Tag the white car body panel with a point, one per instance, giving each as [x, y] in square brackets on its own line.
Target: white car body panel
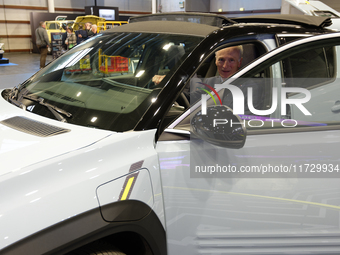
[35, 205]
[143, 189]
[200, 215]
[309, 7]
[16, 143]
[230, 215]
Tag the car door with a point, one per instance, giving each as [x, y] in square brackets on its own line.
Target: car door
[279, 193]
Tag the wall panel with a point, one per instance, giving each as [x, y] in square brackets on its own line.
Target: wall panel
[231, 8]
[18, 29]
[19, 44]
[15, 27]
[17, 14]
[197, 5]
[171, 6]
[77, 4]
[128, 5]
[2, 13]
[232, 5]
[24, 2]
[2, 30]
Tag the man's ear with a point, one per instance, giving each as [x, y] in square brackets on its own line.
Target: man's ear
[239, 64]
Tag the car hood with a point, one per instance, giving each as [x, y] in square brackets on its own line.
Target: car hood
[27, 138]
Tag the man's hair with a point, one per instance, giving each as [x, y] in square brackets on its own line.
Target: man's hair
[239, 48]
[41, 23]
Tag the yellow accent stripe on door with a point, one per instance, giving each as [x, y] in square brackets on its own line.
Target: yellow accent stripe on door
[127, 188]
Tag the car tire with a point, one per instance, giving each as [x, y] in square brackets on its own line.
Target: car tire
[97, 248]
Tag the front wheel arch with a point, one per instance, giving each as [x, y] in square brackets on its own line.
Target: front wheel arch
[89, 227]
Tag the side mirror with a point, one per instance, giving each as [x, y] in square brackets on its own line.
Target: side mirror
[219, 127]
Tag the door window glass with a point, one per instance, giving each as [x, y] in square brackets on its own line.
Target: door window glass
[220, 66]
[305, 93]
[52, 26]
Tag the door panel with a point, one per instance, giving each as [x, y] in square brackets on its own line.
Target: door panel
[279, 194]
[232, 214]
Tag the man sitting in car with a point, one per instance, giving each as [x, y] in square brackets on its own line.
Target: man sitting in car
[228, 61]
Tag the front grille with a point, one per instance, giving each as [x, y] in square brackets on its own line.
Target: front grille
[33, 127]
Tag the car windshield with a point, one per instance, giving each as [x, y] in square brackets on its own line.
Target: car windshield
[106, 82]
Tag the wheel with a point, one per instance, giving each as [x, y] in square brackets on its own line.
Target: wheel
[97, 248]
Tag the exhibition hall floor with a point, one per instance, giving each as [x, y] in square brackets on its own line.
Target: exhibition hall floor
[21, 66]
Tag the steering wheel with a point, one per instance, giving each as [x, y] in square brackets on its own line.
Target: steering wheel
[183, 101]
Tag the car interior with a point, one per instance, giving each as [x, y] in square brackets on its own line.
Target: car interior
[251, 51]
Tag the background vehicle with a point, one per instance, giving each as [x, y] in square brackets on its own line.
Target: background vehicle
[106, 154]
[110, 24]
[87, 18]
[58, 25]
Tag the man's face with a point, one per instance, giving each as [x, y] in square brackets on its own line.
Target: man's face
[228, 61]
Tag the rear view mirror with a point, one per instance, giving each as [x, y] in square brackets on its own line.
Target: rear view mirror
[219, 127]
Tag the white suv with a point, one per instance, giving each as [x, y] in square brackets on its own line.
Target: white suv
[95, 158]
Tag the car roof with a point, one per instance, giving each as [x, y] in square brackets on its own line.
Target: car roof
[202, 24]
[219, 20]
[195, 17]
[202, 30]
[167, 27]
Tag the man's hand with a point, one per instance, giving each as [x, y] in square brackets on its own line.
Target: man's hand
[157, 79]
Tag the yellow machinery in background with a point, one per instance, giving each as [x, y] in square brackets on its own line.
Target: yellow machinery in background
[109, 24]
[58, 25]
[113, 64]
[81, 20]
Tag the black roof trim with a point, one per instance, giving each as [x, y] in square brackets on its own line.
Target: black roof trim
[289, 19]
[194, 17]
[219, 20]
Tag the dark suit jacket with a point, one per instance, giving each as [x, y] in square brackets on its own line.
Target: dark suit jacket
[83, 33]
[195, 93]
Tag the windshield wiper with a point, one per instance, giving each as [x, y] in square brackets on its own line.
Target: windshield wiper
[17, 103]
[13, 94]
[54, 109]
